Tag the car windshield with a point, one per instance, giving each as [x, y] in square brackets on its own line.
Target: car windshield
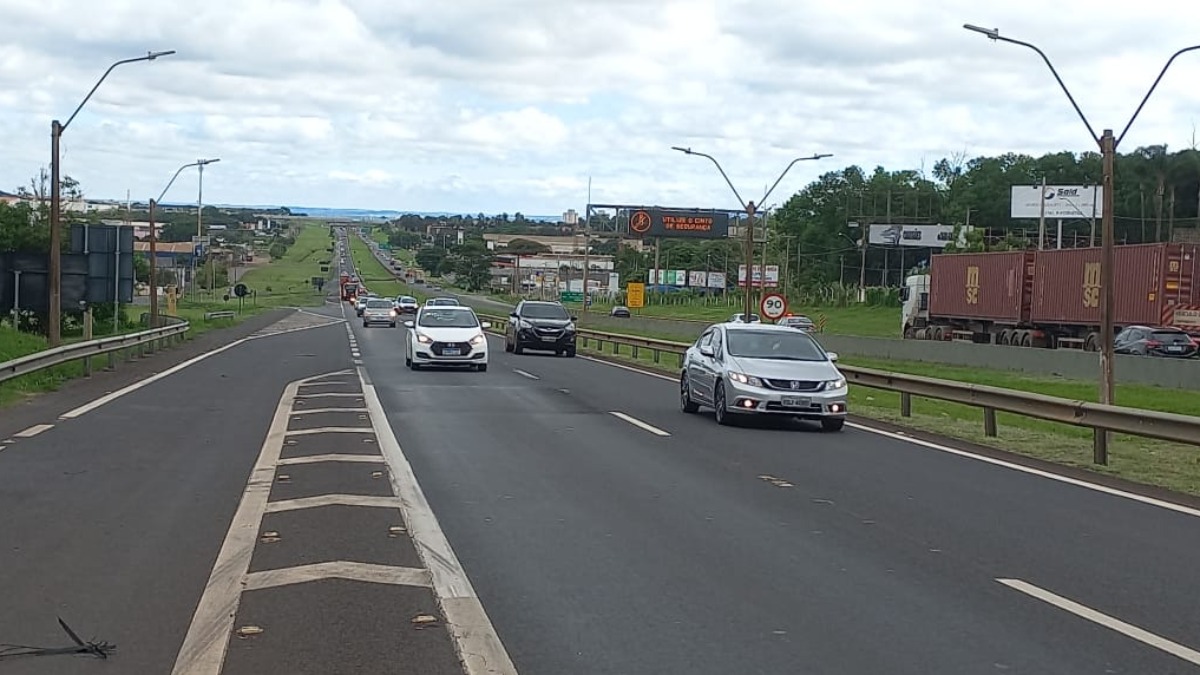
[448, 318]
[545, 311]
[787, 346]
[443, 301]
[379, 304]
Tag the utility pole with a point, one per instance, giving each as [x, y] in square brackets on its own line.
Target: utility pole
[587, 245]
[1042, 217]
[1108, 150]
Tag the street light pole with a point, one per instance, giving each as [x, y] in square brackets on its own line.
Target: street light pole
[200, 164]
[54, 319]
[750, 208]
[1108, 152]
[154, 243]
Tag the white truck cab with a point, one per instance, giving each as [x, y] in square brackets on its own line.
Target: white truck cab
[914, 298]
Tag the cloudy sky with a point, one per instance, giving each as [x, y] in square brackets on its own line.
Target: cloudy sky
[510, 105]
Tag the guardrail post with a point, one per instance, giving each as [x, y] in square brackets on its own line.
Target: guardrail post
[87, 335]
[1100, 447]
[989, 422]
[616, 347]
[635, 351]
[112, 361]
[657, 355]
[905, 404]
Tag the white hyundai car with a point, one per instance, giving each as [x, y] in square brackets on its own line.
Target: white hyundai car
[446, 335]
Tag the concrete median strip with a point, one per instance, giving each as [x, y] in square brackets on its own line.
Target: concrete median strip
[209, 641]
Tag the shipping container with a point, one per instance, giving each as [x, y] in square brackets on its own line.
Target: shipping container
[1150, 282]
[993, 287]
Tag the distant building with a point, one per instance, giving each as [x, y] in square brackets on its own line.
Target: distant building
[570, 217]
[10, 199]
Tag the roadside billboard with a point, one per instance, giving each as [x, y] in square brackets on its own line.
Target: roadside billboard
[772, 276]
[915, 236]
[1061, 201]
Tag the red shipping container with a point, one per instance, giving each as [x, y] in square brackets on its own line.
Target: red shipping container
[983, 286]
[1150, 280]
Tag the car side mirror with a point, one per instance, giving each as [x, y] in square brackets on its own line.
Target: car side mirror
[513, 315]
[409, 324]
[485, 325]
[707, 350]
[574, 318]
[832, 356]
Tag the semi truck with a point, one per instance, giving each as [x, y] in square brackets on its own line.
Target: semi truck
[1051, 298]
[349, 288]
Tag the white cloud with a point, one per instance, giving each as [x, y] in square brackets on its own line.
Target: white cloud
[479, 105]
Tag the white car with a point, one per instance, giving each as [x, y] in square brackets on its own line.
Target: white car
[446, 335]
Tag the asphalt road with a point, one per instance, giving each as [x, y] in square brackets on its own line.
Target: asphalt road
[140, 522]
[599, 545]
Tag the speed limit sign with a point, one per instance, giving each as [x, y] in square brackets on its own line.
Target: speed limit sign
[773, 306]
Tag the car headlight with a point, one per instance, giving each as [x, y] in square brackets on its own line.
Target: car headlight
[835, 384]
[570, 328]
[424, 339]
[478, 340]
[523, 324]
[745, 379]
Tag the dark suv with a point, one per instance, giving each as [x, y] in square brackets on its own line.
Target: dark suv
[546, 326]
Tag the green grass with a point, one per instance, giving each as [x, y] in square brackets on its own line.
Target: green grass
[286, 282]
[1151, 462]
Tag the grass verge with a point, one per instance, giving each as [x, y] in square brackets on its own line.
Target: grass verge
[1169, 465]
[286, 282]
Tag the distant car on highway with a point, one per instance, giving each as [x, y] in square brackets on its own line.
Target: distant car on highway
[761, 369]
[406, 304]
[798, 321]
[361, 303]
[446, 335]
[620, 311]
[379, 310]
[442, 302]
[1155, 341]
[540, 325]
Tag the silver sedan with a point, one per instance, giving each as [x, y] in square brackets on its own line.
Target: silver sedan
[761, 369]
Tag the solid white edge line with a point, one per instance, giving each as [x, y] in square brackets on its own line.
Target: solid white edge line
[1112, 623]
[475, 638]
[966, 454]
[522, 373]
[204, 646]
[638, 423]
[110, 397]
[33, 431]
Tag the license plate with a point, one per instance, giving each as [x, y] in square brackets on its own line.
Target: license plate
[796, 402]
[451, 352]
[548, 338]
[1175, 348]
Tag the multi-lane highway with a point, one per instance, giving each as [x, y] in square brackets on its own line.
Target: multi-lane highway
[303, 503]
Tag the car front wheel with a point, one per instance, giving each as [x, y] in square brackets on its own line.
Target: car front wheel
[719, 406]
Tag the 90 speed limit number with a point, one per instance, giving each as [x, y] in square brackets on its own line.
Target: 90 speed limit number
[773, 306]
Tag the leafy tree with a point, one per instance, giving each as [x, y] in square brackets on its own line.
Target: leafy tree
[430, 259]
[471, 263]
[525, 247]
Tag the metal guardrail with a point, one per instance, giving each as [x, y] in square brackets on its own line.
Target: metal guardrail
[224, 314]
[1099, 417]
[146, 341]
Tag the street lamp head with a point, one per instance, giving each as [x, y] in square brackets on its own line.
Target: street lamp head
[993, 33]
[150, 56]
[822, 155]
[202, 162]
[686, 151]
